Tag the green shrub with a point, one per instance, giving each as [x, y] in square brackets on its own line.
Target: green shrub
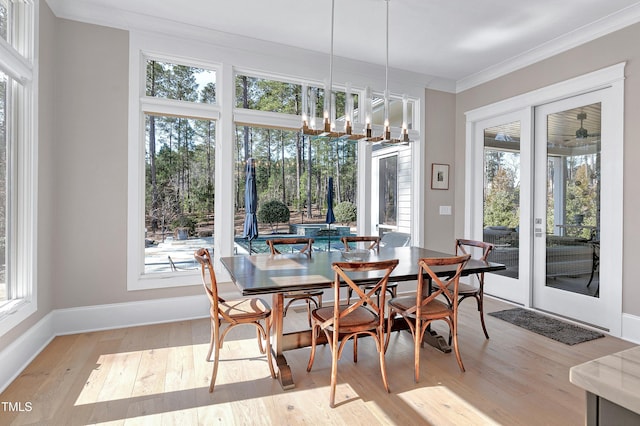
[345, 212]
[185, 221]
[273, 212]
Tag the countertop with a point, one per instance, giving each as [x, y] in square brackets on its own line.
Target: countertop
[613, 377]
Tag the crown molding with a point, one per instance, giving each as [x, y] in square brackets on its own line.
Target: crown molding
[147, 24]
[587, 33]
[117, 18]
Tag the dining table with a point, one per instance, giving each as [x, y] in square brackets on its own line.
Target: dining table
[281, 273]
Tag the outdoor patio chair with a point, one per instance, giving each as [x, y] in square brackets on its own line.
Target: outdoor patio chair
[395, 239]
[233, 313]
[303, 246]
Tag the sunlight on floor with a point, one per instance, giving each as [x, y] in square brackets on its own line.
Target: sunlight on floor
[437, 403]
[151, 373]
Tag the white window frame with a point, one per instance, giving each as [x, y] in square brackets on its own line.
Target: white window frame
[231, 61]
[140, 105]
[18, 61]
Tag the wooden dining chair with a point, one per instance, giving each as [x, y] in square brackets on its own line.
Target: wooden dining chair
[368, 242]
[303, 246]
[362, 317]
[469, 289]
[420, 311]
[232, 313]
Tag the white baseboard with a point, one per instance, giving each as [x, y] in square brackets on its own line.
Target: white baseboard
[631, 328]
[17, 356]
[131, 314]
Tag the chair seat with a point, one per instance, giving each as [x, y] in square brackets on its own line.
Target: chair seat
[360, 317]
[435, 308]
[245, 309]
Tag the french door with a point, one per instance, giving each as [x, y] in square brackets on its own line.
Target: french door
[544, 178]
[573, 140]
[502, 200]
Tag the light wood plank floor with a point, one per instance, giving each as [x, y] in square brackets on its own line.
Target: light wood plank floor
[158, 375]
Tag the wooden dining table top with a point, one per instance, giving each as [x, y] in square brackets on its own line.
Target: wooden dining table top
[266, 273]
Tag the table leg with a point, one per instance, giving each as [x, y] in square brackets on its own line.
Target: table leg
[437, 341]
[283, 370]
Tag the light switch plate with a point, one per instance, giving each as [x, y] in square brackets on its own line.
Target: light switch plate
[445, 210]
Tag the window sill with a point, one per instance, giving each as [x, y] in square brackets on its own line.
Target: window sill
[174, 279]
[13, 313]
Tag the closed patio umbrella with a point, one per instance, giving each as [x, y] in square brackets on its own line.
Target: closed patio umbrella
[330, 217]
[250, 203]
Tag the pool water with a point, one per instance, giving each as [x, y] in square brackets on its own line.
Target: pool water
[174, 254]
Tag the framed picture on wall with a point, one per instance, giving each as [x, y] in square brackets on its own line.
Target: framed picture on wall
[439, 176]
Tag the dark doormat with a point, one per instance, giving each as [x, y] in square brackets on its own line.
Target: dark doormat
[552, 328]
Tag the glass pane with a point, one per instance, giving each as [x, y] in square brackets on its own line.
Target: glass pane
[271, 95]
[179, 191]
[294, 170]
[573, 199]
[180, 82]
[4, 184]
[388, 181]
[277, 96]
[395, 112]
[4, 19]
[501, 219]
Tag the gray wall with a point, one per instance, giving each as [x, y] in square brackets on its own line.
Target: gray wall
[90, 160]
[440, 137]
[608, 50]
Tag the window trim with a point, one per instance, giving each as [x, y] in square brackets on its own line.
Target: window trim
[140, 105]
[170, 107]
[22, 154]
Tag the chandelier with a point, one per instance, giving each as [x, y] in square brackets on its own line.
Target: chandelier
[328, 127]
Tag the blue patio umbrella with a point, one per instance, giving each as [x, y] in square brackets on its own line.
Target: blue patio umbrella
[250, 203]
[330, 217]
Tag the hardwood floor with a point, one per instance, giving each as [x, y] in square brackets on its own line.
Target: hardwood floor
[158, 375]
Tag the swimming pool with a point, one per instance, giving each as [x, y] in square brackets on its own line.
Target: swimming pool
[172, 255]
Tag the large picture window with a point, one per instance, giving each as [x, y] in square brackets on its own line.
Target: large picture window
[18, 189]
[175, 197]
[181, 195]
[295, 171]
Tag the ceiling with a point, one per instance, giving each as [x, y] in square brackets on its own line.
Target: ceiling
[562, 134]
[465, 41]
